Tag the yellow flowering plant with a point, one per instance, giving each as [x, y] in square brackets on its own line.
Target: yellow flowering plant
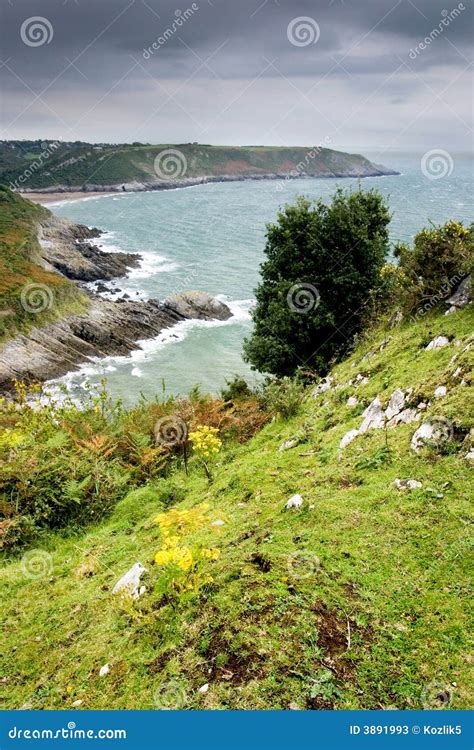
[174, 553]
[206, 444]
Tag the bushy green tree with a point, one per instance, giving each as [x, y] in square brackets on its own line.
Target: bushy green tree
[322, 262]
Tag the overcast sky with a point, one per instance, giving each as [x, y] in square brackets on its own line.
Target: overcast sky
[350, 74]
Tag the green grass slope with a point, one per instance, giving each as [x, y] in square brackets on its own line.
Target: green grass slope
[30, 295]
[361, 599]
[32, 165]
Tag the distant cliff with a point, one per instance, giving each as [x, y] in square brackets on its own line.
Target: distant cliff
[62, 167]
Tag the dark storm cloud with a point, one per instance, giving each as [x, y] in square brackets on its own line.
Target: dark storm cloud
[108, 57]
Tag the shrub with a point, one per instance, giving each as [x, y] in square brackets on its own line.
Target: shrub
[430, 271]
[322, 262]
[237, 389]
[284, 396]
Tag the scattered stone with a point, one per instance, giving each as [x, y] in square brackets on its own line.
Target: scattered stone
[348, 438]
[396, 318]
[384, 343]
[438, 343]
[361, 380]
[462, 295]
[437, 433]
[396, 403]
[104, 670]
[352, 401]
[470, 456]
[323, 386]
[405, 417]
[77, 703]
[218, 522]
[204, 688]
[295, 501]
[130, 582]
[290, 443]
[440, 391]
[421, 406]
[407, 484]
[294, 707]
[374, 417]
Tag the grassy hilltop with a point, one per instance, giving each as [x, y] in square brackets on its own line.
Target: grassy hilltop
[38, 165]
[360, 599]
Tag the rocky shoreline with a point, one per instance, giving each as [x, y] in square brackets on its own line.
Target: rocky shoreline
[107, 327]
[172, 184]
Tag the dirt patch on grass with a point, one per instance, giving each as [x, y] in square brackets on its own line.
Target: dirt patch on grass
[237, 668]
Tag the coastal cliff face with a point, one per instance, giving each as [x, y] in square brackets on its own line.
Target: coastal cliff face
[51, 346]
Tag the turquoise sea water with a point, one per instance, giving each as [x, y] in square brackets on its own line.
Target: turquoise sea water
[212, 237]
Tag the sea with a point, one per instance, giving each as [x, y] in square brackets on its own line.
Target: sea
[211, 237]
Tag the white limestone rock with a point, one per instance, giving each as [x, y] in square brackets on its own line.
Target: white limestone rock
[348, 438]
[438, 343]
[436, 432]
[290, 443]
[407, 484]
[470, 456]
[295, 501]
[462, 295]
[204, 688]
[405, 417]
[352, 401]
[440, 391]
[396, 403]
[323, 386]
[374, 417]
[104, 670]
[130, 582]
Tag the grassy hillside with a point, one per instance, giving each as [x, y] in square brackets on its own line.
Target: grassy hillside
[360, 599]
[37, 165]
[29, 294]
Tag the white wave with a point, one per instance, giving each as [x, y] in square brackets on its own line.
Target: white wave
[97, 366]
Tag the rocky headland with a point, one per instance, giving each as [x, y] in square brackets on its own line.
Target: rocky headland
[105, 327]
